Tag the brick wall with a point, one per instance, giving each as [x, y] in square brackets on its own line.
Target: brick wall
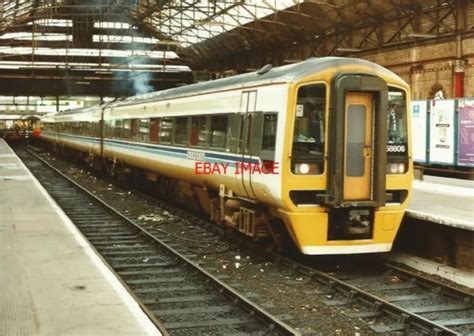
[424, 66]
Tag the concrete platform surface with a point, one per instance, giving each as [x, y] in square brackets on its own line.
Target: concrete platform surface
[459, 276]
[51, 281]
[444, 201]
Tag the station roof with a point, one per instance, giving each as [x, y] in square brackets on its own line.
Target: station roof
[130, 46]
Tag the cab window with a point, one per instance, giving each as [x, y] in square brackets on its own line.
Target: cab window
[397, 117]
[308, 133]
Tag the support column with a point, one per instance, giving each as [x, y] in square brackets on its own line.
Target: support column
[459, 78]
[459, 70]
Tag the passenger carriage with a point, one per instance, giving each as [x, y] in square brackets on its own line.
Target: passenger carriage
[337, 129]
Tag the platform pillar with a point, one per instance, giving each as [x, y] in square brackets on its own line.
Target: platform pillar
[458, 78]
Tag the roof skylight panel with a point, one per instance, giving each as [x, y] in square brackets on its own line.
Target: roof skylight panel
[52, 22]
[87, 52]
[124, 39]
[37, 36]
[113, 25]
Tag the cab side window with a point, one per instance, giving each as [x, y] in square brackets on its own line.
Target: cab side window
[308, 132]
[269, 131]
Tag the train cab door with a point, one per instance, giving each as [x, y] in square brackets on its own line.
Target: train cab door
[358, 146]
[248, 103]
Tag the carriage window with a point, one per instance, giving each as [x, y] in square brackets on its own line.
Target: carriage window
[77, 128]
[166, 127]
[96, 128]
[154, 129]
[199, 131]
[134, 124]
[126, 129]
[218, 131]
[397, 117]
[117, 128]
[143, 129]
[308, 134]
[109, 128]
[81, 129]
[181, 131]
[269, 131]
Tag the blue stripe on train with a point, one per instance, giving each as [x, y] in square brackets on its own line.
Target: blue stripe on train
[157, 149]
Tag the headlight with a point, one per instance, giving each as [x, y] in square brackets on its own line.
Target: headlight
[306, 168]
[401, 168]
[396, 168]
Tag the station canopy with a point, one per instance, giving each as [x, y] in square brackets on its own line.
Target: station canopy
[156, 44]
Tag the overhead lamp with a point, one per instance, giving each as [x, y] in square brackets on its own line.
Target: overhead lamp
[418, 35]
[169, 42]
[348, 49]
[12, 67]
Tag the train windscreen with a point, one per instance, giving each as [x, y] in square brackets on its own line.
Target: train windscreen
[308, 134]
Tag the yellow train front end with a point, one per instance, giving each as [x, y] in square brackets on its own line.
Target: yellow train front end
[346, 165]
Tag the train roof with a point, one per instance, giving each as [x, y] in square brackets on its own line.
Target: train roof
[286, 73]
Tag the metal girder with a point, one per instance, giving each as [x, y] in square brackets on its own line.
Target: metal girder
[87, 59]
[399, 23]
[75, 26]
[92, 76]
[93, 45]
[230, 34]
[76, 87]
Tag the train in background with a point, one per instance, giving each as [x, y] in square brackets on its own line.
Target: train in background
[18, 128]
[336, 129]
[444, 133]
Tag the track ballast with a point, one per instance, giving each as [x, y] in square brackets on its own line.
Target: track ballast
[179, 296]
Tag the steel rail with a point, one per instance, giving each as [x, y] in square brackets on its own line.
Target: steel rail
[380, 305]
[275, 324]
[449, 290]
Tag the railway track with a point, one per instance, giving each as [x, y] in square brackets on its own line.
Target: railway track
[390, 299]
[178, 295]
[396, 300]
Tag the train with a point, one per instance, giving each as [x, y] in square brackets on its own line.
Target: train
[314, 155]
[17, 128]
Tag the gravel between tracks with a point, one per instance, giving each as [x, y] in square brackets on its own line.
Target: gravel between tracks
[273, 286]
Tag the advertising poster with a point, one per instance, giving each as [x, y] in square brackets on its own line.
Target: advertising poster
[442, 131]
[466, 132]
[418, 109]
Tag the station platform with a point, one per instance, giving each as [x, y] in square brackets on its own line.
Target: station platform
[443, 201]
[52, 282]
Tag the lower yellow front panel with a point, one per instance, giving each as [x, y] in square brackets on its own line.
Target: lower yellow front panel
[310, 233]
